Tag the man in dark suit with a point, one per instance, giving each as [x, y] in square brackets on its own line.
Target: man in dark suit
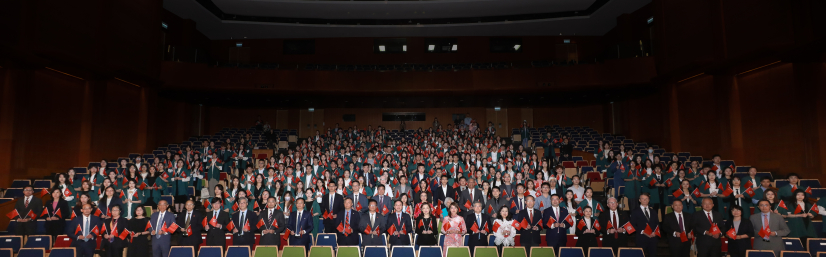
[443, 190]
[376, 222]
[245, 220]
[708, 243]
[160, 238]
[301, 225]
[359, 200]
[495, 202]
[84, 240]
[331, 203]
[348, 220]
[470, 194]
[641, 218]
[482, 222]
[529, 236]
[383, 203]
[28, 204]
[216, 221]
[518, 201]
[401, 222]
[557, 234]
[190, 219]
[615, 237]
[677, 226]
[271, 230]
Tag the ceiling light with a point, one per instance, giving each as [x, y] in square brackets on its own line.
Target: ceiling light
[310, 109]
[431, 47]
[455, 47]
[404, 48]
[497, 108]
[516, 47]
[239, 44]
[381, 48]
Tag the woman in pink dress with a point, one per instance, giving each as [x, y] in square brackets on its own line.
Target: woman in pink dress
[455, 232]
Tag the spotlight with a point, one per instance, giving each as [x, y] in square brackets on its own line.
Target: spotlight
[381, 48]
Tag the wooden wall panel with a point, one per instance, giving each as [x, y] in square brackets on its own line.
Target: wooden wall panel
[309, 122]
[591, 116]
[699, 121]
[281, 119]
[219, 118]
[500, 121]
[640, 119]
[773, 135]
[115, 131]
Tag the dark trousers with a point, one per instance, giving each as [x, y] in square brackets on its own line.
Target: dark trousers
[85, 249]
[475, 240]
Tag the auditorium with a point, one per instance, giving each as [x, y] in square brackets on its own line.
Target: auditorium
[412, 128]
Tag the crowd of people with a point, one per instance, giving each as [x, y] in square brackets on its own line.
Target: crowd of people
[457, 182]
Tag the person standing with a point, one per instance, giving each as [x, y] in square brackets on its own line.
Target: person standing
[58, 211]
[586, 230]
[529, 236]
[401, 221]
[641, 218]
[243, 220]
[25, 206]
[556, 235]
[371, 226]
[190, 220]
[331, 203]
[300, 225]
[479, 220]
[703, 222]
[743, 232]
[773, 226]
[676, 230]
[139, 241]
[160, 219]
[612, 220]
[426, 226]
[112, 244]
[274, 224]
[456, 229]
[216, 221]
[80, 230]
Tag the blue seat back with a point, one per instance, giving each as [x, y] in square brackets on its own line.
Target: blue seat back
[430, 251]
[238, 251]
[13, 193]
[795, 254]
[816, 245]
[793, 244]
[6, 252]
[326, 239]
[182, 251]
[600, 252]
[211, 251]
[373, 251]
[13, 242]
[31, 252]
[756, 253]
[630, 252]
[44, 242]
[63, 252]
[20, 183]
[571, 252]
[403, 251]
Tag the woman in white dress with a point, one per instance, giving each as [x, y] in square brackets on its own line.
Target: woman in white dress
[504, 232]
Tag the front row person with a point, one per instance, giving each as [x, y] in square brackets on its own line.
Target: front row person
[453, 226]
[426, 226]
[743, 231]
[504, 233]
[477, 226]
[677, 228]
[529, 236]
[400, 221]
[217, 221]
[300, 226]
[160, 237]
[773, 226]
[587, 230]
[707, 227]
[612, 220]
[190, 225]
[274, 224]
[346, 224]
[244, 221]
[642, 218]
[80, 230]
[112, 244]
[556, 234]
[372, 225]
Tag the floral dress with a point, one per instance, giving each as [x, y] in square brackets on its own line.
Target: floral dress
[456, 224]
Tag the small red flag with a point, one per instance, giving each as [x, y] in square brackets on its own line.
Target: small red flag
[696, 192]
[748, 183]
[569, 219]
[598, 227]
[750, 192]
[467, 204]
[446, 226]
[204, 222]
[647, 229]
[657, 231]
[580, 224]
[515, 224]
[45, 212]
[525, 224]
[148, 226]
[73, 215]
[808, 190]
[31, 214]
[13, 214]
[677, 193]
[368, 230]
[358, 206]
[474, 228]
[340, 227]
[172, 228]
[260, 223]
[782, 205]
[247, 225]
[707, 186]
[629, 228]
[496, 227]
[231, 226]
[286, 234]
[731, 233]
[78, 229]
[393, 228]
[125, 233]
[550, 223]
[43, 192]
[513, 204]
[384, 210]
[798, 209]
[727, 192]
[653, 181]
[714, 229]
[490, 208]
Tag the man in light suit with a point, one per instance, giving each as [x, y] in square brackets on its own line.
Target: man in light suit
[557, 233]
[776, 225]
[84, 240]
[376, 222]
[160, 240]
[708, 243]
[300, 225]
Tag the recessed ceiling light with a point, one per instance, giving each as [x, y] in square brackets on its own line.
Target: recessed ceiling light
[516, 47]
[455, 47]
[381, 48]
[431, 47]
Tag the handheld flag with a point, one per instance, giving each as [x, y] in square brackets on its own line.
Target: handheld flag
[750, 192]
[172, 228]
[731, 233]
[496, 227]
[13, 214]
[677, 193]
[628, 228]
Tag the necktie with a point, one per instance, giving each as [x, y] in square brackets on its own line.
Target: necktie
[298, 223]
[215, 215]
[399, 218]
[680, 218]
[616, 222]
[86, 228]
[158, 226]
[647, 216]
[373, 219]
[270, 219]
[357, 198]
[347, 219]
[188, 216]
[27, 202]
[737, 192]
[241, 222]
[709, 218]
[520, 203]
[331, 201]
[765, 221]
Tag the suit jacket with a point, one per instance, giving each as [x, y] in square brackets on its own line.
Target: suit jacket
[62, 208]
[104, 208]
[362, 200]
[557, 234]
[35, 206]
[352, 239]
[639, 221]
[120, 227]
[740, 245]
[492, 206]
[671, 225]
[215, 235]
[515, 202]
[195, 223]
[608, 239]
[700, 224]
[587, 239]
[465, 196]
[386, 202]
[248, 236]
[529, 236]
[776, 224]
[338, 203]
[168, 219]
[304, 224]
[94, 221]
[470, 219]
[392, 220]
[439, 195]
[272, 238]
[379, 221]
